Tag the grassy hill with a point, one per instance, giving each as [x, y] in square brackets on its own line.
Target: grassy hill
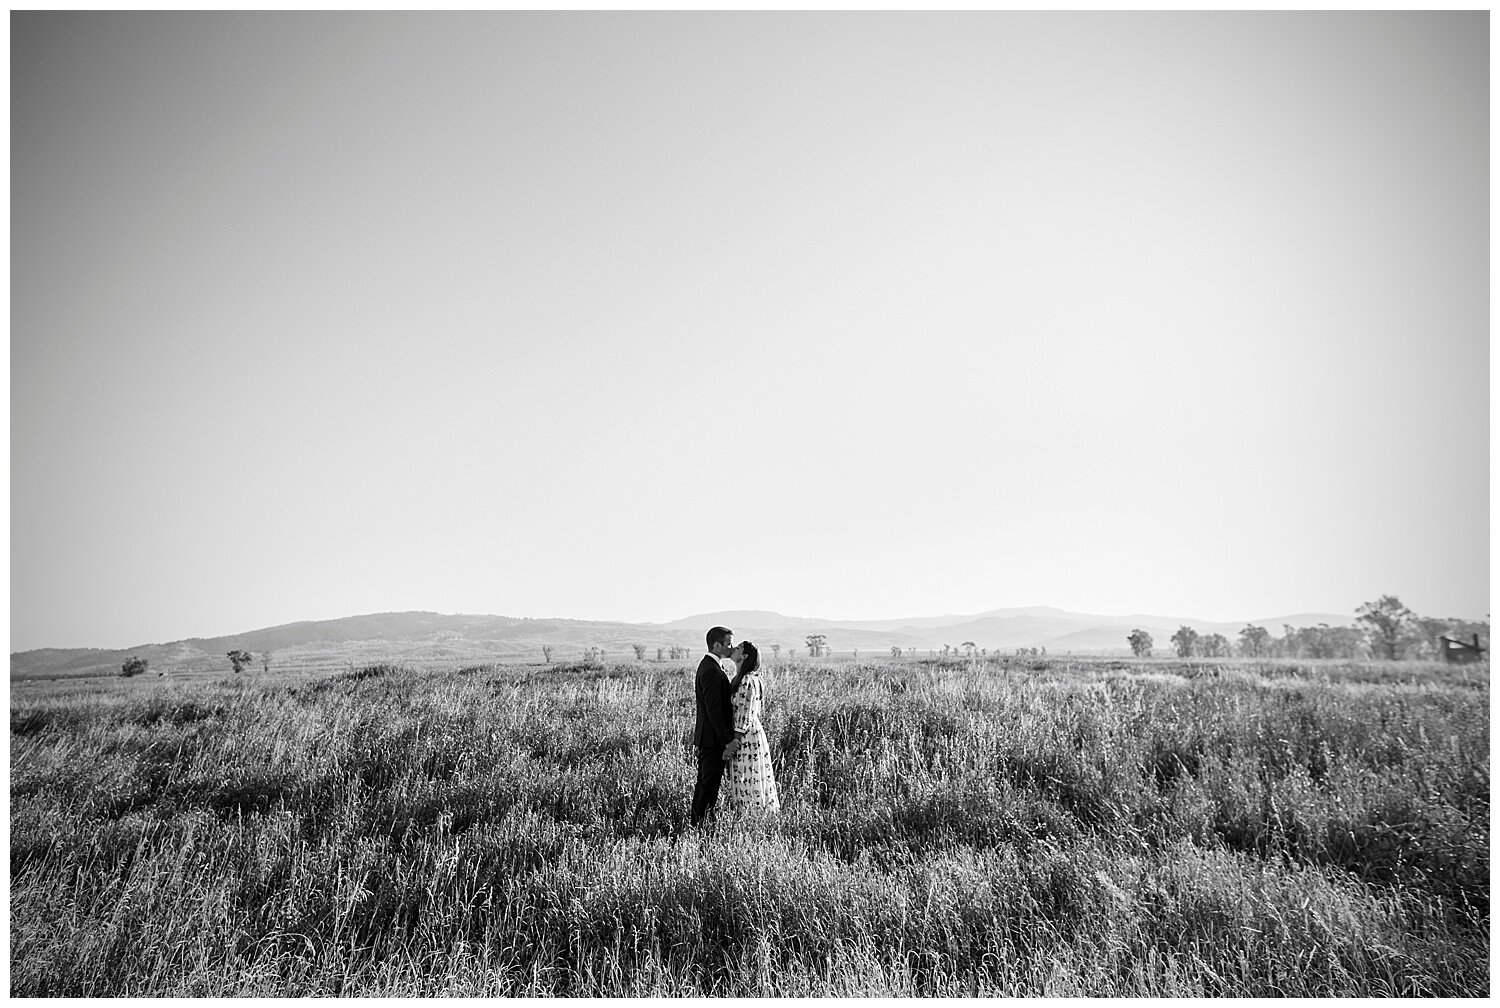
[436, 638]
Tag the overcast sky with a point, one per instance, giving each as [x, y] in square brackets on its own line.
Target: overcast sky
[634, 316]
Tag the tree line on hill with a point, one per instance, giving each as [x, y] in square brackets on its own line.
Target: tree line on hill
[1383, 629]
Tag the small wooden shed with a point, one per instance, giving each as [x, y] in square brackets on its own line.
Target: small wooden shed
[1462, 652]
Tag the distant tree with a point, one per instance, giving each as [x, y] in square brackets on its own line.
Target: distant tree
[945, 650]
[239, 659]
[659, 653]
[856, 652]
[640, 651]
[1321, 641]
[1140, 643]
[265, 662]
[1255, 641]
[969, 647]
[547, 653]
[817, 645]
[1387, 622]
[1044, 651]
[1215, 646]
[1347, 642]
[1185, 640]
[133, 666]
[776, 650]
[1427, 634]
[895, 651]
[1286, 646]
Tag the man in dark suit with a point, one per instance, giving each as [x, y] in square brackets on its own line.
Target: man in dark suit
[713, 729]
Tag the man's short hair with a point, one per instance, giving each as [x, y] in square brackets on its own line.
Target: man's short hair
[717, 636]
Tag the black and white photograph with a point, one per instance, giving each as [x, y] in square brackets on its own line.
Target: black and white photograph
[751, 504]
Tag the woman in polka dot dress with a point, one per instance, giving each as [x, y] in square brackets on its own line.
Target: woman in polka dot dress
[749, 782]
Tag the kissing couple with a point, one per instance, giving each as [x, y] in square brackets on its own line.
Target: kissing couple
[727, 732]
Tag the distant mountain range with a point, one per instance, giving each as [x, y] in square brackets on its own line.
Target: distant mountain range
[424, 637]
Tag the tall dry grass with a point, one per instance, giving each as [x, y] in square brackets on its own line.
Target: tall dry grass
[1011, 828]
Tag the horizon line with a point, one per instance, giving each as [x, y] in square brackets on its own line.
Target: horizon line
[772, 612]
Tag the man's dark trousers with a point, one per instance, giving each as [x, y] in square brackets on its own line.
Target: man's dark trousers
[710, 775]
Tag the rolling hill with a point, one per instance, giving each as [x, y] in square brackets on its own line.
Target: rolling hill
[426, 637]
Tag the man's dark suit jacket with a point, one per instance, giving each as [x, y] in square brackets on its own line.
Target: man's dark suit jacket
[714, 726]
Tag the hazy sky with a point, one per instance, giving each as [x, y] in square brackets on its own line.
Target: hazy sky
[633, 316]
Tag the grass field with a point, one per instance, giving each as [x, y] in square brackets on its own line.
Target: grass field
[1018, 827]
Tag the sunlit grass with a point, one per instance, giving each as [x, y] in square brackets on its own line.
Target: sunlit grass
[1011, 828]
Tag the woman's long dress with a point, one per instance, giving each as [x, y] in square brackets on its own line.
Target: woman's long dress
[749, 782]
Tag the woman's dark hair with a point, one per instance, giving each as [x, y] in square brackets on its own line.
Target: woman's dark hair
[752, 658]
